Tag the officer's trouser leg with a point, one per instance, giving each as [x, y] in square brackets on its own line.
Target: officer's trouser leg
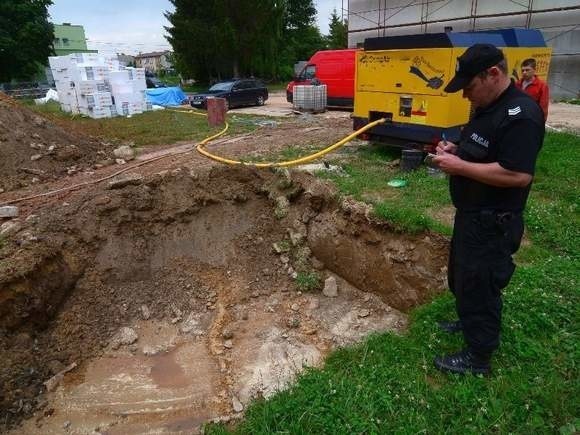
[480, 267]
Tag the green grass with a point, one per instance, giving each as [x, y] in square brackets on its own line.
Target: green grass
[552, 215]
[387, 384]
[149, 128]
[308, 281]
[291, 152]
[367, 174]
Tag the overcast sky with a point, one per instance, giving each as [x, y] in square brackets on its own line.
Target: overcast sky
[131, 26]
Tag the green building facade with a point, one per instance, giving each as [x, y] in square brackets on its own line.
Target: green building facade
[70, 38]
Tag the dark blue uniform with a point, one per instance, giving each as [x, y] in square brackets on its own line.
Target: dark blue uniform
[488, 222]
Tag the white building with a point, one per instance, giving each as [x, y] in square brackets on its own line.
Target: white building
[154, 62]
[559, 21]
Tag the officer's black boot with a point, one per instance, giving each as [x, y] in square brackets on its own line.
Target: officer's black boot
[465, 362]
[451, 327]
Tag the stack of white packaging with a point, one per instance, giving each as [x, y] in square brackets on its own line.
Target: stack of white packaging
[128, 87]
[65, 75]
[98, 86]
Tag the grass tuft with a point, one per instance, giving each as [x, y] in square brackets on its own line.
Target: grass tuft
[308, 281]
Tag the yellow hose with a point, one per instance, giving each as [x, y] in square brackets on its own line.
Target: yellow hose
[300, 161]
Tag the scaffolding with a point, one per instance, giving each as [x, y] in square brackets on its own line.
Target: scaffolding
[432, 13]
[559, 21]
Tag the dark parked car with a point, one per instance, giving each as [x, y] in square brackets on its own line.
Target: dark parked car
[240, 92]
[154, 82]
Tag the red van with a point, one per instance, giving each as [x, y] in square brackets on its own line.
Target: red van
[333, 68]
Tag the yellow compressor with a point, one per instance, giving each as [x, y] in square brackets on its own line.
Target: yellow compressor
[401, 78]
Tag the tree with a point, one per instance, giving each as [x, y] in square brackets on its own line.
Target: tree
[298, 14]
[253, 26]
[216, 38]
[224, 38]
[26, 38]
[338, 34]
[192, 34]
[300, 36]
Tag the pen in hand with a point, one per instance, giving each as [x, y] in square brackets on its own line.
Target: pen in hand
[444, 142]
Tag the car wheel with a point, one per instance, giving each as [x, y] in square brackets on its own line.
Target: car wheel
[260, 100]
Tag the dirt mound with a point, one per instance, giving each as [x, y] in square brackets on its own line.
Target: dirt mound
[211, 261]
[34, 149]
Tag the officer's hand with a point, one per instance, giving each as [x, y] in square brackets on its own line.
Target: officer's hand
[448, 162]
[446, 147]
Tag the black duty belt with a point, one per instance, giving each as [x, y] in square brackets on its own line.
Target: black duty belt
[500, 216]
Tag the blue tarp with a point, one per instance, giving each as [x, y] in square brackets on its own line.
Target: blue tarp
[173, 96]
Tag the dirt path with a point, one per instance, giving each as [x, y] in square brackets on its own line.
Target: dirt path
[564, 116]
[277, 106]
[298, 132]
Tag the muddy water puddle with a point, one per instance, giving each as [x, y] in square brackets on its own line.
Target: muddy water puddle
[166, 372]
[192, 379]
[126, 391]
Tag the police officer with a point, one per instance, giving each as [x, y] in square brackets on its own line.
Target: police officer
[491, 170]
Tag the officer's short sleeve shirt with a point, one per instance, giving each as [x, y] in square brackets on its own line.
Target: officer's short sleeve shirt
[511, 132]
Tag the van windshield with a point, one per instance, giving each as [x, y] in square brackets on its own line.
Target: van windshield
[308, 73]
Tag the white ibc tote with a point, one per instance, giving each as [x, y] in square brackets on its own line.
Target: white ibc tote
[310, 98]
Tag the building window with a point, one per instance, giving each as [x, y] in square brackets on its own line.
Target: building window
[65, 41]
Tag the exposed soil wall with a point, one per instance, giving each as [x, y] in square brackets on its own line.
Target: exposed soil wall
[213, 248]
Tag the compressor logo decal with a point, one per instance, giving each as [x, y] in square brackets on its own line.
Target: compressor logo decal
[433, 82]
[436, 81]
[375, 58]
[374, 61]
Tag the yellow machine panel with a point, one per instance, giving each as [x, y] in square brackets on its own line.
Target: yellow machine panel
[419, 71]
[409, 83]
[405, 84]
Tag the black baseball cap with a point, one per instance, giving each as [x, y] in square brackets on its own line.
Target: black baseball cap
[476, 59]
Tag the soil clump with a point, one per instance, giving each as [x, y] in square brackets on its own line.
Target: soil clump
[35, 150]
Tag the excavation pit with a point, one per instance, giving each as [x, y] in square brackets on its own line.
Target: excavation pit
[183, 295]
